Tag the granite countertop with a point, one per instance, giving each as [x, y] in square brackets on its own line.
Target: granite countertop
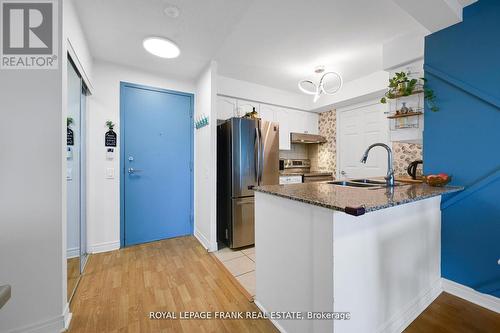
[353, 200]
[284, 174]
[304, 173]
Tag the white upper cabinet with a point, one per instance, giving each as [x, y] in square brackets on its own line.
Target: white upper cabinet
[247, 106]
[303, 122]
[283, 119]
[226, 107]
[312, 123]
[289, 120]
[268, 112]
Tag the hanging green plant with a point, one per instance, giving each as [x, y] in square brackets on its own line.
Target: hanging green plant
[69, 121]
[110, 125]
[401, 85]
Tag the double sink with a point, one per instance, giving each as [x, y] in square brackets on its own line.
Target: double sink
[363, 183]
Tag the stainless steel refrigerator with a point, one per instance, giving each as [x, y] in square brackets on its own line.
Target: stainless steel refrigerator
[247, 156]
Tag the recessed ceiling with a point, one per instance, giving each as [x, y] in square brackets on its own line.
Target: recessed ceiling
[271, 42]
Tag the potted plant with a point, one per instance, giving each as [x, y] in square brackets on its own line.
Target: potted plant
[110, 125]
[401, 84]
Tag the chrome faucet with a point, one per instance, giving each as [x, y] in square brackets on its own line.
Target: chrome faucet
[390, 171]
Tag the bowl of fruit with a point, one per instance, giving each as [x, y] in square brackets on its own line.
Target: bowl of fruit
[437, 180]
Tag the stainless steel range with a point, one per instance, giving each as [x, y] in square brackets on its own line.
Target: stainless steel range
[302, 167]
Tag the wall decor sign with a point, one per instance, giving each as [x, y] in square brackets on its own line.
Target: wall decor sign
[70, 137]
[110, 139]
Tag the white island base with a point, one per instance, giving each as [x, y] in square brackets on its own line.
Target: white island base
[382, 267]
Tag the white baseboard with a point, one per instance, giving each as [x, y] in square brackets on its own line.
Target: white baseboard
[73, 252]
[486, 301]
[67, 317]
[204, 242]
[49, 326]
[104, 247]
[400, 321]
[275, 323]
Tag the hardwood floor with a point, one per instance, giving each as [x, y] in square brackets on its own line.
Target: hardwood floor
[120, 288]
[73, 275]
[450, 314]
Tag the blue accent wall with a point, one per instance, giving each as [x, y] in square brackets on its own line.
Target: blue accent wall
[462, 65]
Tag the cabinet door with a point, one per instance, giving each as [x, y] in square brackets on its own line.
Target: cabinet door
[283, 119]
[297, 121]
[268, 112]
[312, 126]
[226, 107]
[246, 106]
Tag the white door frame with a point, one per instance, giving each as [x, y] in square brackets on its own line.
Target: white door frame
[384, 108]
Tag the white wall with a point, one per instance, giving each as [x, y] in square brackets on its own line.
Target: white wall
[259, 93]
[355, 91]
[103, 205]
[403, 50]
[77, 42]
[32, 196]
[205, 151]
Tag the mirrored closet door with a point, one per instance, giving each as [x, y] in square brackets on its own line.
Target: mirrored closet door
[76, 178]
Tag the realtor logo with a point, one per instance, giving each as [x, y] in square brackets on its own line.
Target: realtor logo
[28, 34]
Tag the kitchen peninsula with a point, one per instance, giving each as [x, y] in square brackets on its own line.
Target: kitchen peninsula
[381, 264]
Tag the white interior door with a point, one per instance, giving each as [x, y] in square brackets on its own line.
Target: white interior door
[358, 126]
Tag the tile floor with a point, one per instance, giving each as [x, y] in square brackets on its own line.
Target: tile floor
[241, 263]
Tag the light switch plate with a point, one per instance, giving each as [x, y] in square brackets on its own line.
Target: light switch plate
[110, 173]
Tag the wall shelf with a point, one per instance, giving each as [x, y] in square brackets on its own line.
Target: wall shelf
[410, 114]
[400, 96]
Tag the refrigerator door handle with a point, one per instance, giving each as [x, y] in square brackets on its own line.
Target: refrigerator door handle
[257, 157]
[261, 158]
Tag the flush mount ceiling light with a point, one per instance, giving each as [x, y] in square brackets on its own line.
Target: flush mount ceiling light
[161, 47]
[329, 84]
[172, 11]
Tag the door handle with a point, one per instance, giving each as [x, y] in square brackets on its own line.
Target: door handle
[261, 159]
[132, 171]
[257, 158]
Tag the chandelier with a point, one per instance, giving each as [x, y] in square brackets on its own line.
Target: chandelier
[329, 84]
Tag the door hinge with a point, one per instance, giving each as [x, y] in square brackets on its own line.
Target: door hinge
[227, 234]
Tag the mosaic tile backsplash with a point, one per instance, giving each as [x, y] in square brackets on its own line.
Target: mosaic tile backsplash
[404, 154]
[326, 159]
[323, 156]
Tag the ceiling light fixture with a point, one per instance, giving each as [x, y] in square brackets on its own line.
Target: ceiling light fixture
[161, 47]
[172, 11]
[311, 88]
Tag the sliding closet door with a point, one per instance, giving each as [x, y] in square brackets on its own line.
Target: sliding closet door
[76, 177]
[73, 178]
[83, 177]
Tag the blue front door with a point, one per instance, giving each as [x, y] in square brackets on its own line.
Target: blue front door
[156, 160]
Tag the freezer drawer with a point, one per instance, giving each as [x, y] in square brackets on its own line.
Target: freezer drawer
[243, 222]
